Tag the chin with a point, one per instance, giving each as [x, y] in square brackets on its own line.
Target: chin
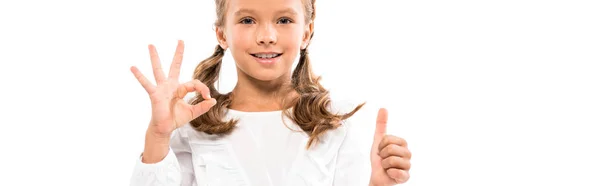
[266, 76]
[264, 72]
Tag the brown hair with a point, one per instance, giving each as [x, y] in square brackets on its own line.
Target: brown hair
[310, 109]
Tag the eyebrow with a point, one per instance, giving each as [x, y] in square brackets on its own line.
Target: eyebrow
[242, 11]
[287, 10]
[249, 11]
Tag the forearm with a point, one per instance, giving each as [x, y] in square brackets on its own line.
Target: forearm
[155, 148]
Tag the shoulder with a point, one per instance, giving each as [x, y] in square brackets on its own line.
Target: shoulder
[358, 128]
[338, 105]
[353, 128]
[343, 106]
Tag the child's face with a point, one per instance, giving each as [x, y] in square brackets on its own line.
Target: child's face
[256, 30]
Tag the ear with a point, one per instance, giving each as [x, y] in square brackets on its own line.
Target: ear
[221, 37]
[308, 31]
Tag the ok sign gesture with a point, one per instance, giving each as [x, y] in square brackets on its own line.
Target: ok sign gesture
[169, 110]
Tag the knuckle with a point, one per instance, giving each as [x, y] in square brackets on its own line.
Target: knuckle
[385, 163]
[384, 141]
[390, 150]
[397, 161]
[403, 141]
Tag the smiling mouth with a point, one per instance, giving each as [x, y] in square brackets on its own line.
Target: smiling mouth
[267, 56]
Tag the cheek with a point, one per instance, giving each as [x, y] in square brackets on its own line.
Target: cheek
[291, 38]
[240, 38]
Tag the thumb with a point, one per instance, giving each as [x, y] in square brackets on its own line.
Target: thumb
[380, 127]
[202, 107]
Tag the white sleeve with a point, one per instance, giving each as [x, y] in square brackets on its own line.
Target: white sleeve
[175, 169]
[353, 167]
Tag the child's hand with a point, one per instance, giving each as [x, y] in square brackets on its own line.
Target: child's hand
[169, 110]
[390, 157]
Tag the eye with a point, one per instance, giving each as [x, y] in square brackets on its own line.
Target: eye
[284, 20]
[247, 20]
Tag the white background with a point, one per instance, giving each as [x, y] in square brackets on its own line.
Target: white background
[486, 92]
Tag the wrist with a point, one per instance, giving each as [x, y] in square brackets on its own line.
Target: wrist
[158, 133]
[156, 147]
[371, 183]
[157, 138]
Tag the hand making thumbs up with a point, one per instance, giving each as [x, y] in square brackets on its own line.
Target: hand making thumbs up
[390, 157]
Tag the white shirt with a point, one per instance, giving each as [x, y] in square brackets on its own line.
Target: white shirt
[262, 151]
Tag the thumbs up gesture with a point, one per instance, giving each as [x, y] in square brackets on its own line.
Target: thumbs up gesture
[390, 157]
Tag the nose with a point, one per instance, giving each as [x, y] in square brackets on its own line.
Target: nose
[266, 35]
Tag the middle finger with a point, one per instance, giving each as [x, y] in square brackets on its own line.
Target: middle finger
[156, 67]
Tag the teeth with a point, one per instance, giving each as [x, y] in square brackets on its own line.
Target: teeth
[266, 56]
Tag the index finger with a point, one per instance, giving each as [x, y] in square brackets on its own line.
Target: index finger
[194, 85]
[390, 139]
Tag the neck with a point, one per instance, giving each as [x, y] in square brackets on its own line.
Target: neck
[253, 95]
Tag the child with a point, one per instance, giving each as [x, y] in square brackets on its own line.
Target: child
[276, 127]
